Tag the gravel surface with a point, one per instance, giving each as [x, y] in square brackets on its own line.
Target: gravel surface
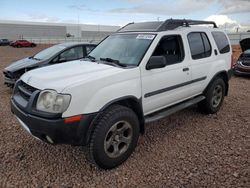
[187, 149]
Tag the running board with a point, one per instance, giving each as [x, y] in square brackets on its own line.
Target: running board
[170, 110]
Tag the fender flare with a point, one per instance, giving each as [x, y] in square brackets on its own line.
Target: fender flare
[125, 101]
[224, 75]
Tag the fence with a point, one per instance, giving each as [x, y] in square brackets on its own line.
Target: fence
[235, 38]
[61, 40]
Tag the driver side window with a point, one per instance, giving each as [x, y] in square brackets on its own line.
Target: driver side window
[69, 55]
[72, 54]
[171, 48]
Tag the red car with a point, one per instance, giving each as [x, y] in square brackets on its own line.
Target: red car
[22, 43]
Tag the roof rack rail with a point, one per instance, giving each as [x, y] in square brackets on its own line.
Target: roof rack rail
[125, 26]
[171, 24]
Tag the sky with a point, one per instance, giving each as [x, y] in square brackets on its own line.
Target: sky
[229, 14]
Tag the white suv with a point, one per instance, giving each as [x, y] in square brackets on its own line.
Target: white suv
[141, 73]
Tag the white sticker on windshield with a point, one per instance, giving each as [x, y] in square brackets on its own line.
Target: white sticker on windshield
[147, 37]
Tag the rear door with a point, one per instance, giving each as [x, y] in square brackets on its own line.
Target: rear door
[25, 43]
[201, 58]
[165, 86]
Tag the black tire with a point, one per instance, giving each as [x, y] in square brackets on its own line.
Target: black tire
[214, 98]
[97, 151]
[18, 46]
[33, 45]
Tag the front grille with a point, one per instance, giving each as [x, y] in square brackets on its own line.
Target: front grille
[246, 63]
[8, 75]
[25, 90]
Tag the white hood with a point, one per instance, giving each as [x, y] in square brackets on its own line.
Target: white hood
[60, 76]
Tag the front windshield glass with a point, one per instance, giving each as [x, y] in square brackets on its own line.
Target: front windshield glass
[128, 49]
[48, 52]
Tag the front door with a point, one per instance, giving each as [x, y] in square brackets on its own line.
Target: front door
[162, 87]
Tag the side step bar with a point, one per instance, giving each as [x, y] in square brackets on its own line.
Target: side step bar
[170, 110]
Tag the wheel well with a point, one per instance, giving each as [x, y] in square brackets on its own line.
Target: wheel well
[224, 76]
[134, 104]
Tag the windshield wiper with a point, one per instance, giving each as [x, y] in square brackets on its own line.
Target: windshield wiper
[90, 57]
[114, 61]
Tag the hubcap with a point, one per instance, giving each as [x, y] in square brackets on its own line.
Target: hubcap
[118, 139]
[217, 96]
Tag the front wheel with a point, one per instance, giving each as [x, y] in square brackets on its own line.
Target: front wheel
[214, 97]
[114, 138]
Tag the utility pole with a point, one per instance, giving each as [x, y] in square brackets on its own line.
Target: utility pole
[78, 26]
[237, 29]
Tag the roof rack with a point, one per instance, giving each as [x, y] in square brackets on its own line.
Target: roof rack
[125, 26]
[169, 24]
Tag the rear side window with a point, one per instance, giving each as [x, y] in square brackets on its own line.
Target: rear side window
[199, 45]
[221, 41]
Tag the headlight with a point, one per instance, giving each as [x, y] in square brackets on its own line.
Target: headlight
[53, 102]
[239, 62]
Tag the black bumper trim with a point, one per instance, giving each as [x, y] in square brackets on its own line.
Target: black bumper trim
[74, 133]
[237, 72]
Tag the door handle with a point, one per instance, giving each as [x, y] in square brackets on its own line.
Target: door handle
[185, 69]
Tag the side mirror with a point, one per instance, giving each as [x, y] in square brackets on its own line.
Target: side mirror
[156, 62]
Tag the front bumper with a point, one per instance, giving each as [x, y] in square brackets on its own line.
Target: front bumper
[55, 131]
[239, 70]
[9, 81]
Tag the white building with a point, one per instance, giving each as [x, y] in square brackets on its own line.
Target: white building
[53, 32]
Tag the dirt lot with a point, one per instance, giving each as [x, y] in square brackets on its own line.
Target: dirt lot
[187, 149]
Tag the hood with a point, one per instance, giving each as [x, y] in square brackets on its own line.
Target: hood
[60, 76]
[245, 44]
[21, 64]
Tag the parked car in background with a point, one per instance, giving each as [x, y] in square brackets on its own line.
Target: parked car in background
[56, 54]
[22, 43]
[4, 42]
[242, 66]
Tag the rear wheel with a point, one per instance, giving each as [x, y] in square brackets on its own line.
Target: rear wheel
[214, 97]
[114, 138]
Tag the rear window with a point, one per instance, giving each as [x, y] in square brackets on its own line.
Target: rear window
[199, 45]
[221, 41]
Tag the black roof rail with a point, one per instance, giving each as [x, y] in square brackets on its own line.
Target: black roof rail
[125, 26]
[169, 24]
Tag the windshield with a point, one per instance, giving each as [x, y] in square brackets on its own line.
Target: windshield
[48, 52]
[127, 49]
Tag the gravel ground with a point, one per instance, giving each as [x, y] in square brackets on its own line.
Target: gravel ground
[187, 149]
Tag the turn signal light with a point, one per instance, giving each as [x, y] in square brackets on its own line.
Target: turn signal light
[72, 119]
